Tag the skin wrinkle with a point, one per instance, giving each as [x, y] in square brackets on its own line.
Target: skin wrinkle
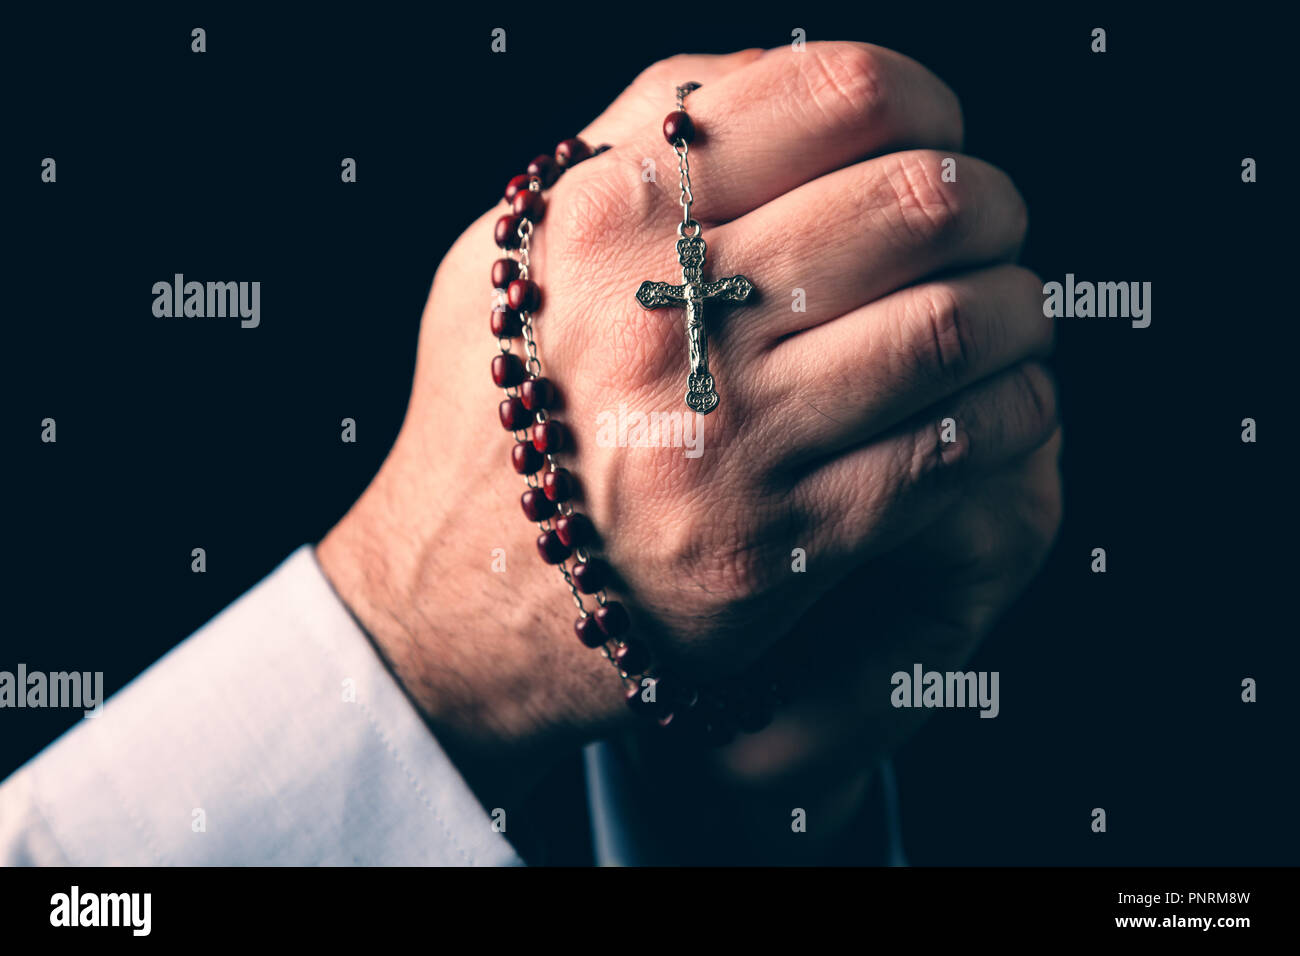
[829, 418]
[929, 210]
[855, 85]
[703, 545]
[909, 357]
[783, 252]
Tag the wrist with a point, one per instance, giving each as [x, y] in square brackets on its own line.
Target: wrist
[476, 634]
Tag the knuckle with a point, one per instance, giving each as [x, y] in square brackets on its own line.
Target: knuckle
[843, 80]
[661, 72]
[1036, 401]
[930, 209]
[930, 456]
[592, 214]
[1028, 295]
[594, 207]
[942, 335]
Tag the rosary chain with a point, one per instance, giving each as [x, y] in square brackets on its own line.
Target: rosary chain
[682, 149]
[687, 198]
[619, 646]
[534, 367]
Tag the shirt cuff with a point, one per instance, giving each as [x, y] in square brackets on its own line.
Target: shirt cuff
[272, 736]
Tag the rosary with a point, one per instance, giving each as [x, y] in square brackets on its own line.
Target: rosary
[700, 395]
[713, 714]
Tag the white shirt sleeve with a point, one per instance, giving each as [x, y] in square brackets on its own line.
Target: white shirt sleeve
[272, 736]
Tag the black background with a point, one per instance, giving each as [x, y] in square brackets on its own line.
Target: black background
[1119, 690]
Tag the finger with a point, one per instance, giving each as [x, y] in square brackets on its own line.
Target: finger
[992, 543]
[870, 370]
[776, 123]
[858, 234]
[888, 489]
[649, 97]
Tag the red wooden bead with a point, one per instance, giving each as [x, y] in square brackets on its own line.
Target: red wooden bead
[525, 459]
[678, 126]
[536, 505]
[613, 619]
[571, 152]
[551, 548]
[537, 393]
[589, 576]
[544, 168]
[588, 632]
[506, 324]
[558, 485]
[507, 370]
[506, 232]
[513, 415]
[549, 437]
[529, 205]
[575, 530]
[516, 184]
[504, 271]
[524, 295]
[633, 657]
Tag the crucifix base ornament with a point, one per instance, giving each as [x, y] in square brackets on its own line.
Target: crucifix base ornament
[693, 291]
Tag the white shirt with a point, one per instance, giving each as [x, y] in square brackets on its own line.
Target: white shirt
[273, 736]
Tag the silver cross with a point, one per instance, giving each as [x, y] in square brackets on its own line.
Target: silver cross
[693, 293]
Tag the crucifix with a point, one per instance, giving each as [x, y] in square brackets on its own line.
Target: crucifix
[693, 292]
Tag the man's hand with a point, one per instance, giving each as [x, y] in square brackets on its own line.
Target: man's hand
[819, 170]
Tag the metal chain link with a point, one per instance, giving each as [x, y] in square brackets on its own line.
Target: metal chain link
[682, 149]
[534, 367]
[687, 197]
